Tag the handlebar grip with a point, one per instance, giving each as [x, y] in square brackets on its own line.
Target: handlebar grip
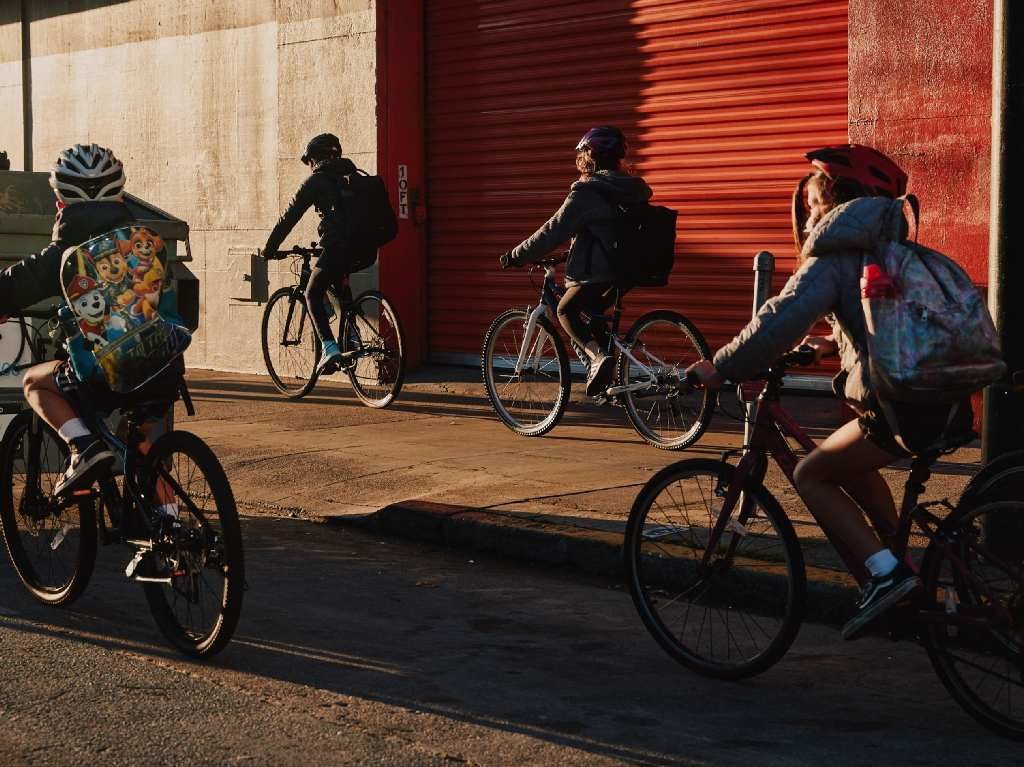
[801, 356]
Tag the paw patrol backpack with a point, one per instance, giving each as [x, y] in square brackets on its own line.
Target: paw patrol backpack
[114, 285]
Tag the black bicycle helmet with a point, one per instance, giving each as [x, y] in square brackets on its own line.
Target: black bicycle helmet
[604, 141]
[322, 147]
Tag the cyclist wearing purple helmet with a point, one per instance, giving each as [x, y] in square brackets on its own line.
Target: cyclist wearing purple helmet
[589, 216]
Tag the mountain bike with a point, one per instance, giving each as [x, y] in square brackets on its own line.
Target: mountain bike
[717, 574]
[190, 565]
[369, 336]
[526, 370]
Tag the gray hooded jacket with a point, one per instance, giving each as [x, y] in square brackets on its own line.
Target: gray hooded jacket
[827, 283]
[589, 215]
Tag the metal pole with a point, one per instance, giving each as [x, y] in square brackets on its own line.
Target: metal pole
[1003, 424]
[764, 269]
[26, 83]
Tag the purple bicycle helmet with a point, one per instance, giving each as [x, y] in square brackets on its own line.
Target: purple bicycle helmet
[604, 140]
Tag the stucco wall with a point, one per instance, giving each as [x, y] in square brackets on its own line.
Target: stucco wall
[920, 88]
[209, 105]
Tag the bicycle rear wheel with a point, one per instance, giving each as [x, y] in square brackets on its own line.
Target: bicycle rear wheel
[372, 333]
[735, 614]
[290, 345]
[973, 596]
[52, 544]
[199, 609]
[530, 402]
[665, 413]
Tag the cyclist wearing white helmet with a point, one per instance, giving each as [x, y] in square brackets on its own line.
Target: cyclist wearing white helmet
[88, 181]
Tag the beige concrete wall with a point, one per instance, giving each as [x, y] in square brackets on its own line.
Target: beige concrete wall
[11, 126]
[209, 105]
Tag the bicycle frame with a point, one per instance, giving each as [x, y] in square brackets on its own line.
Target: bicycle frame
[532, 346]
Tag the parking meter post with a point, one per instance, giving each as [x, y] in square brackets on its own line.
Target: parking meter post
[764, 270]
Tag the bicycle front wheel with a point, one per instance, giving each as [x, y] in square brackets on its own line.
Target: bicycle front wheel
[728, 612]
[199, 609]
[290, 345]
[529, 401]
[373, 335]
[973, 597]
[52, 543]
[661, 346]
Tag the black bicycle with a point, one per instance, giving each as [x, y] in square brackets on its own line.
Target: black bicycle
[189, 563]
[369, 336]
[526, 370]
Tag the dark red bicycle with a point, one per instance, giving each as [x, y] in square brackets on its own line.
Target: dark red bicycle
[717, 573]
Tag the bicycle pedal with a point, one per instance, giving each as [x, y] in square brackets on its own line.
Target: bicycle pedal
[133, 565]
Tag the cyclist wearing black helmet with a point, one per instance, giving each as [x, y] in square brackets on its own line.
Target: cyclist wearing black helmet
[322, 191]
[589, 216]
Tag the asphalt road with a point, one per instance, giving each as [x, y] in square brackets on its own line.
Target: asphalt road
[357, 650]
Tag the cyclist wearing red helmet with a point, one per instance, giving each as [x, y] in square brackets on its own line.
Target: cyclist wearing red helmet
[839, 212]
[589, 216]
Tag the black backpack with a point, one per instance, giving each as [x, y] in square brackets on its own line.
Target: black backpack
[644, 251]
[364, 224]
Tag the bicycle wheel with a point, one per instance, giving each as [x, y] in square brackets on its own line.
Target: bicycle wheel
[974, 591]
[373, 334]
[663, 344]
[736, 614]
[52, 544]
[531, 402]
[290, 345]
[199, 609]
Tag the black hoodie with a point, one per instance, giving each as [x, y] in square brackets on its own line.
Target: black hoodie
[589, 215]
[321, 190]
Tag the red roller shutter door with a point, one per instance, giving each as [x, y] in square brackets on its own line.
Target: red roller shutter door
[719, 100]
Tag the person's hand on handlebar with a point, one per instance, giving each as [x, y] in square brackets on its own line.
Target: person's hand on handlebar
[506, 260]
[824, 346]
[706, 373]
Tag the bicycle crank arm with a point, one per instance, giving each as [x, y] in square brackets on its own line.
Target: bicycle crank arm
[611, 391]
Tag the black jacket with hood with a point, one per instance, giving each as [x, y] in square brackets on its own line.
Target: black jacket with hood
[322, 190]
[37, 277]
[590, 216]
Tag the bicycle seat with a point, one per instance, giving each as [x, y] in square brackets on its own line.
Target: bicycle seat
[949, 443]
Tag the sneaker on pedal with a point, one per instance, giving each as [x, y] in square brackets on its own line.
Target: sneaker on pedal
[599, 375]
[878, 595]
[87, 455]
[331, 360]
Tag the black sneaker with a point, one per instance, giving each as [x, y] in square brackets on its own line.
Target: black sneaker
[600, 375]
[878, 595]
[87, 456]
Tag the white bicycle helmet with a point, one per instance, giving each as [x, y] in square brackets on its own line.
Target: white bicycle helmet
[87, 172]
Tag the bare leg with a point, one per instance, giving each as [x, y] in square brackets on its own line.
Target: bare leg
[45, 398]
[847, 460]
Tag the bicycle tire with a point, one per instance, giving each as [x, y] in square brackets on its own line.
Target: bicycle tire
[78, 542]
[945, 589]
[651, 573]
[694, 419]
[223, 555]
[1001, 479]
[376, 379]
[292, 374]
[546, 418]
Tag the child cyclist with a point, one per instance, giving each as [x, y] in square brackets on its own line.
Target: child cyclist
[88, 182]
[589, 216]
[839, 211]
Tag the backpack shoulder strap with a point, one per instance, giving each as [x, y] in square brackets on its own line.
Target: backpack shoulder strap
[894, 228]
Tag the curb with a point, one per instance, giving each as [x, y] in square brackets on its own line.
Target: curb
[595, 552]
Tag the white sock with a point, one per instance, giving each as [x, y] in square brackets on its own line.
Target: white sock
[73, 429]
[881, 563]
[170, 510]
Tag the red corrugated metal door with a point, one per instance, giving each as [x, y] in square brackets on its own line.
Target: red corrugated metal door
[719, 99]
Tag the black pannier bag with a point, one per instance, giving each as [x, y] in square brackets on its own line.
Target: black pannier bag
[366, 222]
[645, 249]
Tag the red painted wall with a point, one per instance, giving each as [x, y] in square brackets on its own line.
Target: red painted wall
[400, 141]
[920, 89]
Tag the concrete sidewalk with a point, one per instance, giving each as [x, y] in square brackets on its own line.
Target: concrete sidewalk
[438, 465]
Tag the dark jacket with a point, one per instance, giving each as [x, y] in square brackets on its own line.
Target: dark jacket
[589, 215]
[827, 283]
[321, 190]
[37, 277]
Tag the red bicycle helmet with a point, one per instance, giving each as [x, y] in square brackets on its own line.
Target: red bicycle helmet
[879, 175]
